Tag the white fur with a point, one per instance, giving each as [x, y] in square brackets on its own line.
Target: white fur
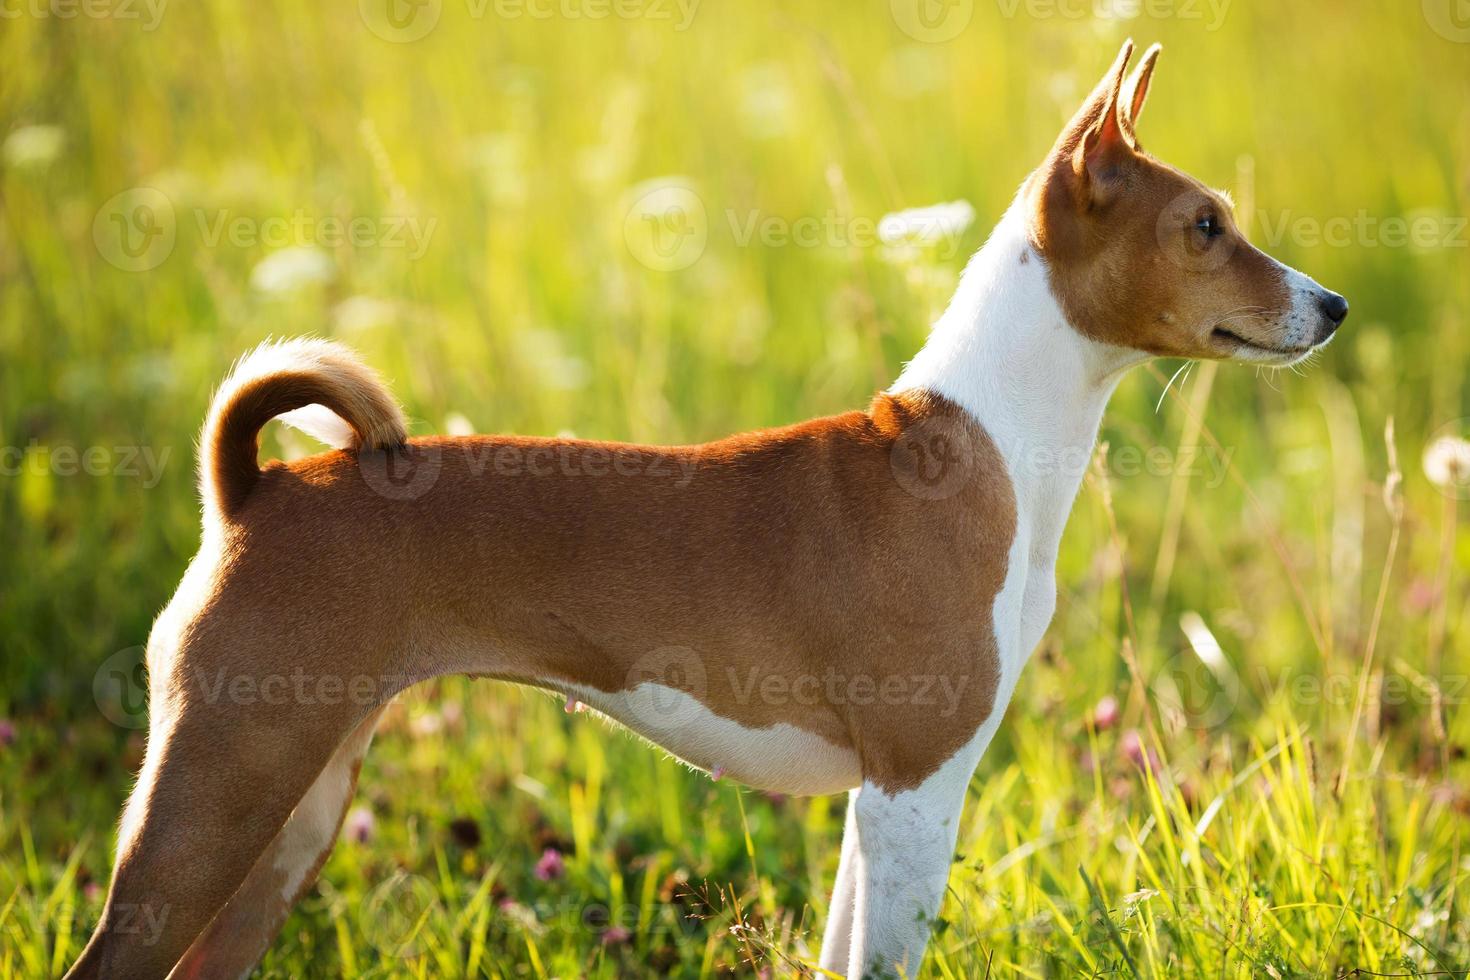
[1297, 329]
[780, 759]
[906, 841]
[837, 939]
[1003, 351]
[1300, 322]
[322, 424]
[312, 826]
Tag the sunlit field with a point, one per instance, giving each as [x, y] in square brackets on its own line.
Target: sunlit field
[1239, 751]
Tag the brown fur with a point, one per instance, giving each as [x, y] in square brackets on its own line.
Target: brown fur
[777, 555]
[1118, 230]
[773, 554]
[278, 378]
[240, 934]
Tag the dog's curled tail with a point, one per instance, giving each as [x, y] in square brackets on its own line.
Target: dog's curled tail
[327, 392]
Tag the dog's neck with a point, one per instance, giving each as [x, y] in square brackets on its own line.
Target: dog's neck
[1004, 351]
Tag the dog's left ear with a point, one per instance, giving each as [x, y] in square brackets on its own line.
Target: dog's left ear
[1135, 94]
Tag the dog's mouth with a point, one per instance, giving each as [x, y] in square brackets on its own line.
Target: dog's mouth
[1242, 344]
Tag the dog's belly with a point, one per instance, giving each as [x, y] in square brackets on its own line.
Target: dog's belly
[780, 758]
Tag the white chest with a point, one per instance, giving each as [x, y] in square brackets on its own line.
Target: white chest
[1004, 351]
[1024, 608]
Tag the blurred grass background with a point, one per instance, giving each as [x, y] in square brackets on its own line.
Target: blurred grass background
[1201, 827]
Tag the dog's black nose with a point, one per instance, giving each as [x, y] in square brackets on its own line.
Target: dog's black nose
[1335, 308]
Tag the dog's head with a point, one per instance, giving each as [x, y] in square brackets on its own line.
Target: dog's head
[1146, 257]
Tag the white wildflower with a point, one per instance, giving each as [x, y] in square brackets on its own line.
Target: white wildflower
[767, 106]
[359, 314]
[32, 146]
[937, 227]
[926, 226]
[1447, 463]
[542, 351]
[913, 71]
[292, 268]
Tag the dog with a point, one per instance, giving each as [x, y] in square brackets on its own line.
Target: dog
[842, 605]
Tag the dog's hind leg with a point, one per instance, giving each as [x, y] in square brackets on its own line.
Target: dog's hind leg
[239, 936]
[222, 774]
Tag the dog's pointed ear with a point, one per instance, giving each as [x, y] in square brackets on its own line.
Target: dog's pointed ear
[1095, 145]
[1135, 93]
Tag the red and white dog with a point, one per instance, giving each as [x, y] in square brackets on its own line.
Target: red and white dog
[843, 605]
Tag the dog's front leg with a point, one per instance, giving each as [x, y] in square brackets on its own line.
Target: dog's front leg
[837, 939]
[905, 846]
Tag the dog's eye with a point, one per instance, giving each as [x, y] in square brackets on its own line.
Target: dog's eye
[1209, 226]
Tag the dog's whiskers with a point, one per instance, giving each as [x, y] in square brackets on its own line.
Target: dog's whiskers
[1184, 370]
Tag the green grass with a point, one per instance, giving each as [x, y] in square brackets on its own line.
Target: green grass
[520, 145]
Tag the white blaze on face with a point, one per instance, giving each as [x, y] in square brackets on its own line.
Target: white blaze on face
[1298, 326]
